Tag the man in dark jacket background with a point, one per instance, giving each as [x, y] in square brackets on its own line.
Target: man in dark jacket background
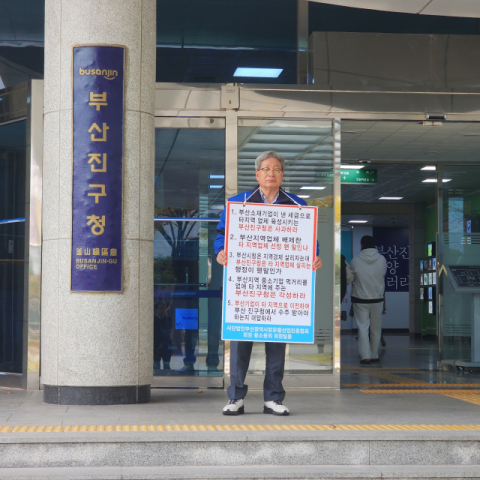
[269, 168]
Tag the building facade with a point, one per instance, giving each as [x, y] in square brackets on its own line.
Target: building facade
[374, 102]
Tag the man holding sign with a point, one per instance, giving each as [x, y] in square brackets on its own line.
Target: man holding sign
[269, 172]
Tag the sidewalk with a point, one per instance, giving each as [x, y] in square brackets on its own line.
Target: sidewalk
[204, 407]
[330, 434]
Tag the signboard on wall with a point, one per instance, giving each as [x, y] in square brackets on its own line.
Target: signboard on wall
[98, 110]
[350, 176]
[269, 284]
[392, 243]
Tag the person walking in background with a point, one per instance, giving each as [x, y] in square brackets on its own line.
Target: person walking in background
[369, 269]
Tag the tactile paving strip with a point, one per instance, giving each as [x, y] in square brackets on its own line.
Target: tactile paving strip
[420, 390]
[229, 428]
[413, 385]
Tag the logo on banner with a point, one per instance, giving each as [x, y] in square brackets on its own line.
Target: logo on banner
[108, 74]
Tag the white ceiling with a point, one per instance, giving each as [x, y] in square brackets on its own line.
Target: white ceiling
[410, 141]
[447, 8]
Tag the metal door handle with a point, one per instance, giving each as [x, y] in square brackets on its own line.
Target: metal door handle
[209, 270]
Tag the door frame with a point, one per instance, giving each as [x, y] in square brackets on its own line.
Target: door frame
[25, 102]
[190, 122]
[310, 102]
[207, 103]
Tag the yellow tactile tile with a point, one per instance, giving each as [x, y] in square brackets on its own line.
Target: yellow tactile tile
[422, 390]
[233, 428]
[395, 385]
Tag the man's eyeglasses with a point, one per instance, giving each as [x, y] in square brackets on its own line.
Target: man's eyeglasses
[275, 171]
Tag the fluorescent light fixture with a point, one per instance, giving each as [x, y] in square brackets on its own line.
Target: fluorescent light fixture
[429, 167]
[352, 167]
[304, 196]
[258, 72]
[217, 176]
[358, 221]
[216, 186]
[312, 188]
[390, 198]
[434, 180]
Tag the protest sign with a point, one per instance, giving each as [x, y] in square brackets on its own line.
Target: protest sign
[269, 282]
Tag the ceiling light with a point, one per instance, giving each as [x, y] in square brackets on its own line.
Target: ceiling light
[352, 167]
[390, 198]
[358, 221]
[429, 167]
[303, 196]
[216, 186]
[217, 176]
[312, 188]
[470, 134]
[432, 152]
[434, 180]
[258, 72]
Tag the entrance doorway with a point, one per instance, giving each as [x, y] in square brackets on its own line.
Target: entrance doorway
[388, 132]
[410, 205]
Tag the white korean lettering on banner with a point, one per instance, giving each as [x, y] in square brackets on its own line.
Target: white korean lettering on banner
[269, 284]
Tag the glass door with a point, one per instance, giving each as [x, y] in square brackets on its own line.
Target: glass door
[13, 164]
[312, 166]
[459, 267]
[189, 198]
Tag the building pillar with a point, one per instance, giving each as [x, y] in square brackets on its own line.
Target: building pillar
[97, 348]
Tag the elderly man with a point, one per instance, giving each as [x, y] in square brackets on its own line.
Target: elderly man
[269, 172]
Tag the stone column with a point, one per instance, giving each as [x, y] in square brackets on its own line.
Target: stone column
[96, 348]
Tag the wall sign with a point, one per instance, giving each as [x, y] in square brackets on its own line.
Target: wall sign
[393, 244]
[269, 284]
[348, 176]
[98, 110]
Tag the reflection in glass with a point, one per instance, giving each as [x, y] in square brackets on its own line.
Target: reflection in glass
[12, 244]
[189, 198]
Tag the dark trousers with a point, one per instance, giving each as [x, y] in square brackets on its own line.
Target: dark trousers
[240, 353]
[162, 343]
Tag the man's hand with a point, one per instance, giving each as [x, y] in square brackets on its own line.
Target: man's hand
[317, 264]
[222, 258]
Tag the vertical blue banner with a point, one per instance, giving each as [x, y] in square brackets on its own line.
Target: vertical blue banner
[98, 110]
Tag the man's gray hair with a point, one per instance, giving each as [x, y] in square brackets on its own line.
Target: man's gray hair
[269, 154]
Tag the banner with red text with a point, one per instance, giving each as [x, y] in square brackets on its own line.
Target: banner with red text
[269, 282]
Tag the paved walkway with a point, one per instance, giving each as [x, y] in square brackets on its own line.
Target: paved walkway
[171, 407]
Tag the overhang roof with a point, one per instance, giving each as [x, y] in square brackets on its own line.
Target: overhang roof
[446, 8]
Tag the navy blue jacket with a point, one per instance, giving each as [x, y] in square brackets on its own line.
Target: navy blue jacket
[254, 196]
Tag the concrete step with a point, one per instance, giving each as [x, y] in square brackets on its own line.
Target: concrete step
[270, 472]
[238, 449]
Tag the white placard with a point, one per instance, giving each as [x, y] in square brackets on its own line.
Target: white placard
[269, 282]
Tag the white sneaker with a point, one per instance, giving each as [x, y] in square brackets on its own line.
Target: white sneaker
[275, 408]
[234, 407]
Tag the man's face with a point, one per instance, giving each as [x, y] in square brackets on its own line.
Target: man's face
[269, 180]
